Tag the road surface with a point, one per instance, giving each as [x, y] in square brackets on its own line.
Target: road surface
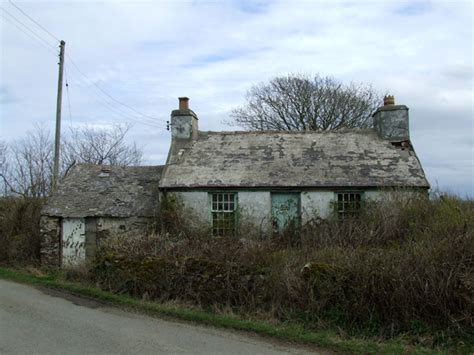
[36, 321]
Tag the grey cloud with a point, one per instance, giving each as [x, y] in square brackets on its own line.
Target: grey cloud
[142, 54]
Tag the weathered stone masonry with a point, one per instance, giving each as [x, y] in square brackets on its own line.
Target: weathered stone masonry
[225, 179]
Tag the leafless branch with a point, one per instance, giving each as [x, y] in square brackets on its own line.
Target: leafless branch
[299, 102]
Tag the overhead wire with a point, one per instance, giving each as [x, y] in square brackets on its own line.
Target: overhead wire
[143, 119]
[33, 20]
[45, 44]
[110, 96]
[120, 112]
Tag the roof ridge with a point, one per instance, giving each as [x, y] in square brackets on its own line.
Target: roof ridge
[340, 131]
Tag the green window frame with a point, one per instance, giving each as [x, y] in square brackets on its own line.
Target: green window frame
[349, 203]
[223, 206]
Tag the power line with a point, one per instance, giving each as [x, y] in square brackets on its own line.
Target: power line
[121, 113]
[151, 120]
[33, 20]
[33, 35]
[29, 35]
[110, 96]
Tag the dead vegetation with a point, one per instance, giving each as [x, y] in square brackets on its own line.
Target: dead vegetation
[401, 267]
[20, 230]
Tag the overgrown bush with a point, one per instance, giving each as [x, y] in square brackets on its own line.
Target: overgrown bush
[402, 266]
[20, 230]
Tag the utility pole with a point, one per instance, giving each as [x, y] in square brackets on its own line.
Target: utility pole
[57, 139]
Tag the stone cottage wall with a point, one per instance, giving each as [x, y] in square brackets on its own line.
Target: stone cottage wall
[110, 226]
[97, 230]
[50, 243]
[255, 206]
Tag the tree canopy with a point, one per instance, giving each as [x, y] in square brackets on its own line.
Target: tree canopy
[299, 102]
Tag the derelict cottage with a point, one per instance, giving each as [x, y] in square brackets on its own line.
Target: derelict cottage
[269, 179]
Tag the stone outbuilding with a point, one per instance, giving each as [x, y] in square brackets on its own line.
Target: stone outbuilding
[94, 202]
[237, 183]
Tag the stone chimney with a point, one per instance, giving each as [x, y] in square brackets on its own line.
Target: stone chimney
[391, 121]
[184, 122]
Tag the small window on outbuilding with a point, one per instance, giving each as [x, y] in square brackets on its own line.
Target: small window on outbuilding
[223, 211]
[348, 203]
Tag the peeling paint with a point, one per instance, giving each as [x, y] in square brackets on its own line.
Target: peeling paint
[73, 239]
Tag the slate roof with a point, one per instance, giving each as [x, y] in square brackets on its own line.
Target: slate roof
[343, 158]
[113, 191]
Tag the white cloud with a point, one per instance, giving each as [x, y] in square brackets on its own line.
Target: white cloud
[147, 53]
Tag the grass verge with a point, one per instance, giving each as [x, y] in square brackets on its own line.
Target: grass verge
[287, 332]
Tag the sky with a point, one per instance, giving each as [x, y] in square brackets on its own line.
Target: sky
[129, 61]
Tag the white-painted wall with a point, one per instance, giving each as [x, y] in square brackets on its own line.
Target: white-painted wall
[392, 195]
[375, 195]
[316, 204]
[196, 204]
[255, 206]
[255, 212]
[254, 209]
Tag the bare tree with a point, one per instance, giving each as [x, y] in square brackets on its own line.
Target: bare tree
[26, 167]
[298, 103]
[30, 165]
[3, 168]
[100, 146]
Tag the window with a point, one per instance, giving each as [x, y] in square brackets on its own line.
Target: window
[349, 203]
[223, 210]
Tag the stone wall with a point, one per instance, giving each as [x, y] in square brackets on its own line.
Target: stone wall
[110, 226]
[97, 230]
[50, 243]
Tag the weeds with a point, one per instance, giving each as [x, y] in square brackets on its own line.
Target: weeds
[401, 267]
[19, 230]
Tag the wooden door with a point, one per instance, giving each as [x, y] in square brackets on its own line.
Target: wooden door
[285, 211]
[73, 241]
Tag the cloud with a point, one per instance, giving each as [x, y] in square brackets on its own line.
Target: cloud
[148, 53]
[414, 8]
[6, 96]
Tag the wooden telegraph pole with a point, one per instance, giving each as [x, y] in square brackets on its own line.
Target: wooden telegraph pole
[57, 139]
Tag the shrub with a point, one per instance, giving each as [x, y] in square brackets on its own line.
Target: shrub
[401, 266]
[19, 230]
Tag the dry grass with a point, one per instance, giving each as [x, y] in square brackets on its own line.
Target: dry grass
[402, 266]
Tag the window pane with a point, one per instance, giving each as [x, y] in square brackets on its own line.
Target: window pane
[223, 217]
[348, 203]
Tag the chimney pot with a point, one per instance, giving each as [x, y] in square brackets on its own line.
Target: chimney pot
[389, 100]
[183, 103]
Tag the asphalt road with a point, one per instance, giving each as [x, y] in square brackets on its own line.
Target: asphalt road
[37, 321]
